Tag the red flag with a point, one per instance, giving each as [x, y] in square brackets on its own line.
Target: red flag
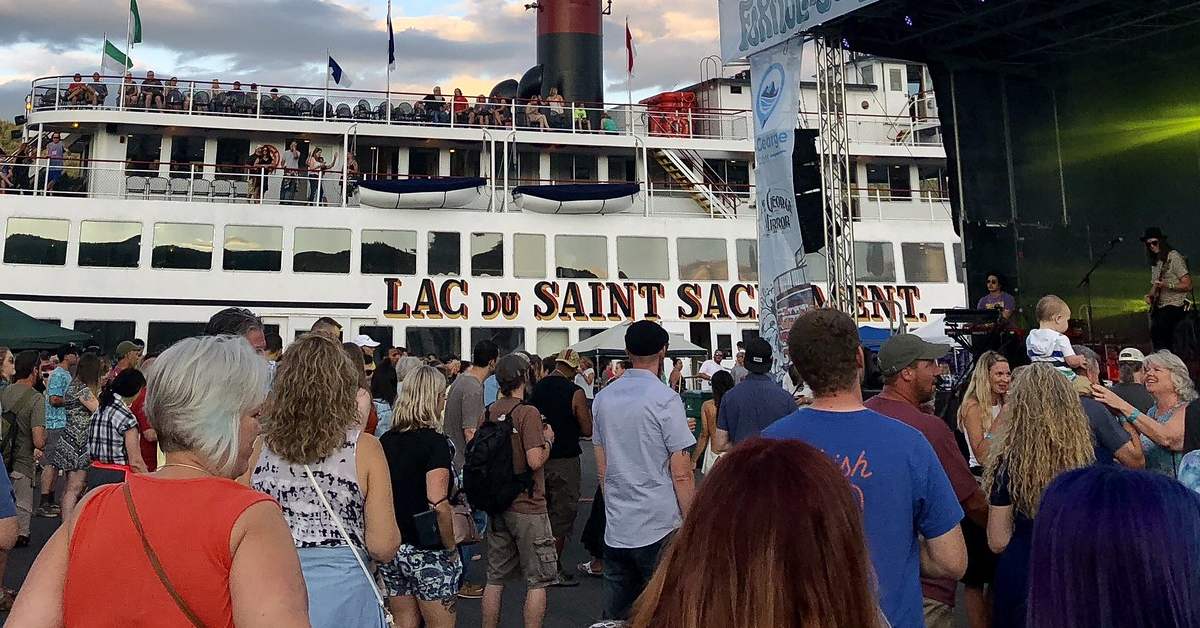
[630, 51]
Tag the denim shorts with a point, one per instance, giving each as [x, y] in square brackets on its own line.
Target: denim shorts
[428, 575]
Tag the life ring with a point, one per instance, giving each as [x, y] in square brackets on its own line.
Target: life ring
[273, 153]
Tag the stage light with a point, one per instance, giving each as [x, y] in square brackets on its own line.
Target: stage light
[908, 21]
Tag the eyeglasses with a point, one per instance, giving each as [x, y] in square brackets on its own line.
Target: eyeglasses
[1151, 242]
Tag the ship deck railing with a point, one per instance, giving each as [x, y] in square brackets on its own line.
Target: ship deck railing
[370, 107]
[239, 183]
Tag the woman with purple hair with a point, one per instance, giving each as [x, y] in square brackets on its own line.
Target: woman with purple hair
[1116, 549]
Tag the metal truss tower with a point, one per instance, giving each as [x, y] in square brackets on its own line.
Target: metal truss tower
[835, 172]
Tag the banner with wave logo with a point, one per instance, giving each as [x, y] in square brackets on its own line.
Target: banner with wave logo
[784, 290]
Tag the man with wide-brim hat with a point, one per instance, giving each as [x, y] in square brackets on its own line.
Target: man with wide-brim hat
[1170, 284]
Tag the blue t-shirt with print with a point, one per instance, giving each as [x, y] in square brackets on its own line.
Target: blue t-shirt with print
[60, 380]
[901, 485]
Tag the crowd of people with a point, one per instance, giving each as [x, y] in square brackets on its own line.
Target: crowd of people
[332, 483]
[551, 112]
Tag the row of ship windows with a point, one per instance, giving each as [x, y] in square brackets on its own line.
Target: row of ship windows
[441, 342]
[108, 244]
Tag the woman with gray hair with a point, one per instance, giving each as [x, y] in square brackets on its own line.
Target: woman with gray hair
[1162, 428]
[197, 547]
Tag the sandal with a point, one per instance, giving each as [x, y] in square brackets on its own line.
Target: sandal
[587, 570]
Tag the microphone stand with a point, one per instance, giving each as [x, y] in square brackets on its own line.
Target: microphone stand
[1086, 282]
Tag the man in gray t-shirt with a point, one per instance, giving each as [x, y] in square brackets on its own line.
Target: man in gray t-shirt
[640, 435]
[291, 173]
[464, 400]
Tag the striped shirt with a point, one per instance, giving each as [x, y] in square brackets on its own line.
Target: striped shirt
[106, 443]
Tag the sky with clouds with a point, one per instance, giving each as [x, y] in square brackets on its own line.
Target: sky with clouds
[472, 44]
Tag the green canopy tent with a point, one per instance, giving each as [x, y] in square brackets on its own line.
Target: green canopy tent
[19, 330]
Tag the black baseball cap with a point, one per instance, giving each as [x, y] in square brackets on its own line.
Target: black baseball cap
[758, 356]
[645, 338]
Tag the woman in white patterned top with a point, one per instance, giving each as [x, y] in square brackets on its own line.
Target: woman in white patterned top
[312, 435]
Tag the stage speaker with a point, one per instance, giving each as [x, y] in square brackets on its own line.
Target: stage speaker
[806, 178]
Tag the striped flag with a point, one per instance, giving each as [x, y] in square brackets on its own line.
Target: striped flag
[135, 21]
[630, 51]
[113, 61]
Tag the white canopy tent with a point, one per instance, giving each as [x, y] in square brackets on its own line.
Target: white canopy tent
[610, 343]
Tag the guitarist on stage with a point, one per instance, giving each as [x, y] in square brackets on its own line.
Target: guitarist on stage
[1169, 287]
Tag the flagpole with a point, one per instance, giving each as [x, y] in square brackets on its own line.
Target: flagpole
[328, 56]
[128, 44]
[103, 48]
[391, 39]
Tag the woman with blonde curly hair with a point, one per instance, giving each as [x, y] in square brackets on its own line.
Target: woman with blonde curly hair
[330, 479]
[1162, 427]
[1045, 433]
[422, 581]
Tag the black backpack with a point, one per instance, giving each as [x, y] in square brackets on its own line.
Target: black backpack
[489, 481]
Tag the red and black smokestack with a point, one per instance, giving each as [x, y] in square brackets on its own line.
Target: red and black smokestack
[570, 49]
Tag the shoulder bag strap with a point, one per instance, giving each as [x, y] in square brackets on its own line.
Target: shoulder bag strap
[154, 562]
[337, 521]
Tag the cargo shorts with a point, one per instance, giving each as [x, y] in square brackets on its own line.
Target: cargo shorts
[521, 544]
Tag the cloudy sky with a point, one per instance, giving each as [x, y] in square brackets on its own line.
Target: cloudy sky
[455, 43]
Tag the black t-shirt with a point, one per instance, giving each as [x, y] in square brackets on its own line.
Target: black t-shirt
[410, 455]
[552, 396]
[1135, 395]
[1191, 427]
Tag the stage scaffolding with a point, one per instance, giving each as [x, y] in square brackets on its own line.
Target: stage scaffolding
[834, 156]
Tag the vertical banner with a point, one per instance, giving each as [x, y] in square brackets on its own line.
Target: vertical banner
[784, 290]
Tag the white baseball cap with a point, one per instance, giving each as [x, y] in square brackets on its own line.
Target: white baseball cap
[364, 340]
[1130, 354]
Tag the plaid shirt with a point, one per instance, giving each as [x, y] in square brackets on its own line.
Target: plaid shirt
[107, 441]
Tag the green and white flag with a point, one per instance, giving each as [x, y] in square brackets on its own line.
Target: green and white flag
[114, 62]
[135, 21]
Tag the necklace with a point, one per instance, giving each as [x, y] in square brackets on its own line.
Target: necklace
[180, 464]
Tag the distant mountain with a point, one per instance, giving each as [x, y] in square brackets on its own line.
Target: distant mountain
[23, 248]
[111, 254]
[317, 262]
[252, 260]
[171, 256]
[386, 259]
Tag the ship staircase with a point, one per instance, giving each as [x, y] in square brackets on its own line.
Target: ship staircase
[687, 169]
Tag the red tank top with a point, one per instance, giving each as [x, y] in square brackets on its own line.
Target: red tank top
[109, 578]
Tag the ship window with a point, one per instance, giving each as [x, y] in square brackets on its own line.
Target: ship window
[389, 252]
[874, 261]
[178, 245]
[508, 339]
[321, 251]
[445, 253]
[703, 259]
[487, 255]
[423, 162]
[186, 149]
[107, 334]
[566, 167]
[551, 341]
[440, 342]
[816, 267]
[898, 180]
[36, 241]
[924, 262]
[931, 180]
[896, 79]
[747, 260]
[529, 167]
[529, 255]
[581, 257]
[584, 334]
[231, 154]
[110, 244]
[868, 75]
[642, 258]
[622, 168]
[379, 333]
[878, 184]
[163, 335]
[142, 151]
[464, 163]
[253, 248]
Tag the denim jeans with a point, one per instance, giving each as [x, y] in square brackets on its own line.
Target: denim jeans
[468, 552]
[626, 572]
[287, 189]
